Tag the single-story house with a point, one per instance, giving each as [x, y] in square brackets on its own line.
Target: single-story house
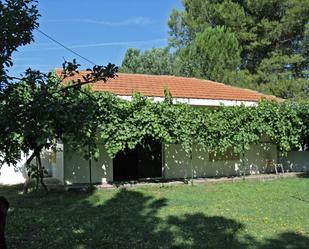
[162, 161]
[166, 161]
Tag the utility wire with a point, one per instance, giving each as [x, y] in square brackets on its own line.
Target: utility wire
[65, 47]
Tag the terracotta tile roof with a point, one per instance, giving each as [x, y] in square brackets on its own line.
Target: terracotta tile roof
[180, 87]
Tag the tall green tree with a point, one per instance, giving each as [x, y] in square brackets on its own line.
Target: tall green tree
[158, 61]
[131, 62]
[273, 38]
[213, 54]
[260, 26]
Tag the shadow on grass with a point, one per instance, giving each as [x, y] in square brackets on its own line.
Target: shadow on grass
[288, 240]
[303, 175]
[129, 219]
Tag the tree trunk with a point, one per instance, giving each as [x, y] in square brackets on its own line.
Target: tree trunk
[36, 153]
[28, 180]
[41, 172]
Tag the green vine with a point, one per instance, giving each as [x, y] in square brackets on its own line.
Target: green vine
[217, 129]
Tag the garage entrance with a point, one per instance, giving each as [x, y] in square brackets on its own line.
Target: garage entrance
[145, 161]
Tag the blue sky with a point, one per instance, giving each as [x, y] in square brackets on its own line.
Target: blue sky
[100, 30]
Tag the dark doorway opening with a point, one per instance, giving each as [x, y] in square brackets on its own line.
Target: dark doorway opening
[145, 161]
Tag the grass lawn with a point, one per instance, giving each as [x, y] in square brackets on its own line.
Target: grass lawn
[263, 215]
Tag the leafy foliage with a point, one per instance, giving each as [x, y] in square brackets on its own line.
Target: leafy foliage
[261, 27]
[261, 45]
[40, 110]
[37, 110]
[154, 61]
[273, 38]
[127, 124]
[302, 109]
[18, 19]
[213, 54]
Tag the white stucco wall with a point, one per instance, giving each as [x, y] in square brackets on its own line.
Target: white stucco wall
[10, 175]
[57, 163]
[17, 174]
[177, 163]
[258, 157]
[46, 159]
[296, 161]
[76, 169]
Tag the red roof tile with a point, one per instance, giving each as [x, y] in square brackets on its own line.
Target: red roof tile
[180, 87]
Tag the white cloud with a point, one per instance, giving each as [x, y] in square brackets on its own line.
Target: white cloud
[22, 59]
[90, 45]
[31, 65]
[127, 22]
[123, 43]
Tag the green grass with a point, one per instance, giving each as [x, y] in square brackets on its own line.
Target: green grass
[258, 215]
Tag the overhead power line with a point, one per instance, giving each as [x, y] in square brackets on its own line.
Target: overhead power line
[65, 47]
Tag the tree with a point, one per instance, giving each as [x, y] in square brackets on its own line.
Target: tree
[272, 36]
[260, 26]
[18, 19]
[40, 110]
[37, 109]
[131, 62]
[213, 54]
[157, 61]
